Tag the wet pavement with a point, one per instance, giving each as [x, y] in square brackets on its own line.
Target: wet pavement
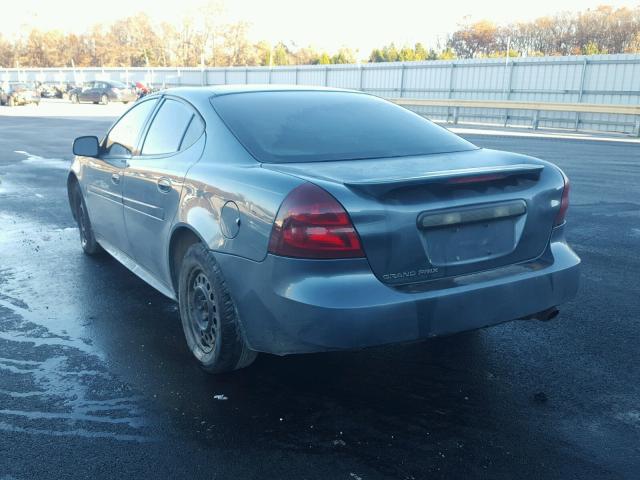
[96, 380]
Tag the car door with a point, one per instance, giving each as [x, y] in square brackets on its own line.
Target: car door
[85, 92]
[103, 176]
[153, 181]
[94, 92]
[98, 89]
[102, 89]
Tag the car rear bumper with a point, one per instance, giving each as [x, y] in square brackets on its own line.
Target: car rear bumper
[124, 97]
[291, 305]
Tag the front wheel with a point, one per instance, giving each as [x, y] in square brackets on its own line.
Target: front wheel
[75, 99]
[11, 102]
[87, 239]
[209, 317]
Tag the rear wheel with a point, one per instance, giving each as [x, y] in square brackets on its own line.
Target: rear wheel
[104, 99]
[11, 102]
[209, 317]
[87, 239]
[74, 98]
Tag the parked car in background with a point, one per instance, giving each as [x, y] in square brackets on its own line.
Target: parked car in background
[142, 89]
[55, 89]
[19, 93]
[47, 90]
[300, 219]
[103, 91]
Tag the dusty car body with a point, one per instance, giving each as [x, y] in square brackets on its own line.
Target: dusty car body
[319, 219]
[103, 92]
[20, 93]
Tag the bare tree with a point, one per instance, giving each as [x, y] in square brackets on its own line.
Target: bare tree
[203, 36]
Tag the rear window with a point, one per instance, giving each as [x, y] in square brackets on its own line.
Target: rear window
[116, 84]
[308, 126]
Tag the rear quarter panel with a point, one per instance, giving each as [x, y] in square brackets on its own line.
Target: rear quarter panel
[227, 173]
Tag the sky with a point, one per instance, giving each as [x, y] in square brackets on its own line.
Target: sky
[325, 24]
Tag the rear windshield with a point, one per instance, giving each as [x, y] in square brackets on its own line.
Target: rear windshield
[117, 84]
[312, 126]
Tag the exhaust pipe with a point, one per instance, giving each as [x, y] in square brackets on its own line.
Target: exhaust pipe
[544, 315]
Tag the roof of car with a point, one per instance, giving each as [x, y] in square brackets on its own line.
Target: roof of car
[200, 96]
[218, 90]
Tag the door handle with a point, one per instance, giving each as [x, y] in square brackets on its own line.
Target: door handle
[164, 185]
[115, 178]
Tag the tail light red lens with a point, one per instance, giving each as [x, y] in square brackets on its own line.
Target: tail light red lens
[312, 224]
[564, 202]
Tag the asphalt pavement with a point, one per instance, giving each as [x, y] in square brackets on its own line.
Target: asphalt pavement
[96, 380]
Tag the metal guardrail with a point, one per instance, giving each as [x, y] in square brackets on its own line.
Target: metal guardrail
[535, 107]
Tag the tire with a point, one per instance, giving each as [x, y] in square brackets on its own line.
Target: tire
[209, 317]
[104, 99]
[74, 98]
[11, 102]
[87, 238]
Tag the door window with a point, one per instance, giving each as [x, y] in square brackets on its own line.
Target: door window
[168, 128]
[193, 133]
[123, 136]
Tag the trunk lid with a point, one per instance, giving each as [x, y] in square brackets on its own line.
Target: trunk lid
[442, 215]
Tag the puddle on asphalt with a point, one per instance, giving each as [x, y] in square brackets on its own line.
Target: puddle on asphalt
[46, 162]
[7, 189]
[54, 380]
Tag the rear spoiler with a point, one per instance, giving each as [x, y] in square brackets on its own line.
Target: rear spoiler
[472, 175]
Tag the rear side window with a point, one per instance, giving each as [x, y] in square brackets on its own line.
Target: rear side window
[168, 128]
[193, 133]
[123, 136]
[115, 84]
[309, 126]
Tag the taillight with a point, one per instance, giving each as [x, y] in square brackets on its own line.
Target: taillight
[312, 224]
[564, 202]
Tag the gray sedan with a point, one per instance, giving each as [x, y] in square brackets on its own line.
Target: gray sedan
[291, 220]
[103, 92]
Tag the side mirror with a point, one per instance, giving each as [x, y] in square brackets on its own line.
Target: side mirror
[86, 146]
